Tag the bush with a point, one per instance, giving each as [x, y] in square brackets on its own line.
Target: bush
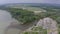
[58, 20]
[23, 16]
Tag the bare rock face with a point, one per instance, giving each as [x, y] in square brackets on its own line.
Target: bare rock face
[46, 23]
[49, 24]
[40, 23]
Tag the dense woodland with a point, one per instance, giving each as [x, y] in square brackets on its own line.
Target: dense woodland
[29, 16]
[23, 16]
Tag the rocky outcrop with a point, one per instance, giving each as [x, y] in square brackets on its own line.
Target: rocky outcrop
[46, 23]
[49, 24]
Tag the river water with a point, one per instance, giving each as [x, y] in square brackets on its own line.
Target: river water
[5, 20]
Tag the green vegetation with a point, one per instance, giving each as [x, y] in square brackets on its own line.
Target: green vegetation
[30, 33]
[55, 14]
[36, 30]
[58, 28]
[24, 16]
[52, 13]
[39, 29]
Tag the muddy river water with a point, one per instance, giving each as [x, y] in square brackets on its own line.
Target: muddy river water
[5, 20]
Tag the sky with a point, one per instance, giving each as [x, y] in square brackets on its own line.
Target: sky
[29, 1]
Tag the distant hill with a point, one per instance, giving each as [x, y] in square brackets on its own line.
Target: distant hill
[41, 5]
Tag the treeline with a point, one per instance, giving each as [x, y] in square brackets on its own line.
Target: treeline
[53, 13]
[24, 16]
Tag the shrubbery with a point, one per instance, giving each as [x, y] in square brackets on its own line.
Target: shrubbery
[54, 14]
[26, 16]
[23, 16]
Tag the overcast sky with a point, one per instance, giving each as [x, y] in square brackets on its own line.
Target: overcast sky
[29, 1]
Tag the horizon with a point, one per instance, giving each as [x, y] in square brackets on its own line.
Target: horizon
[29, 1]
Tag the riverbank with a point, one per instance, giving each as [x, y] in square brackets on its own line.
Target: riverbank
[5, 20]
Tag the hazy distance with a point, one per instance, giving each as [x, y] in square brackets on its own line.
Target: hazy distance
[29, 1]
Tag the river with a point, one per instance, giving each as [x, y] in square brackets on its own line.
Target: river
[5, 20]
